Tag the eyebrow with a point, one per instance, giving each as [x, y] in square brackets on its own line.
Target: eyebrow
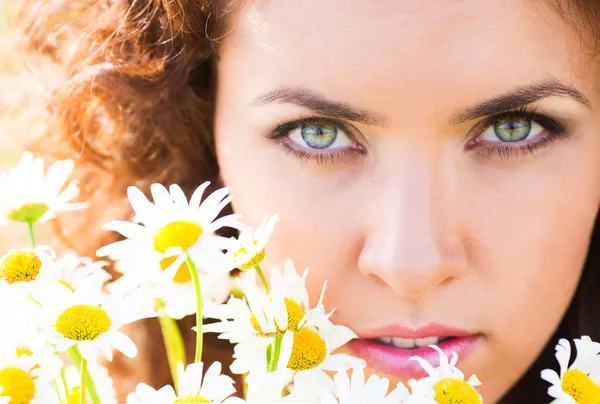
[520, 97]
[317, 103]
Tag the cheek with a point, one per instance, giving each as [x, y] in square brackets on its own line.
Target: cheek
[530, 236]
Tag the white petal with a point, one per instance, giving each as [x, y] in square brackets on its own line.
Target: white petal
[178, 197]
[123, 343]
[197, 196]
[161, 195]
[139, 203]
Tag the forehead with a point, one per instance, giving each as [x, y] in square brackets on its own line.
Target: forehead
[422, 48]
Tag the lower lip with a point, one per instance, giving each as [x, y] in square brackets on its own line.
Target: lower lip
[396, 361]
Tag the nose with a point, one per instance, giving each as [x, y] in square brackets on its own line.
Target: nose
[412, 240]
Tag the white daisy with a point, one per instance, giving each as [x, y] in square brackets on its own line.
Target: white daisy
[445, 384]
[71, 270]
[254, 321]
[354, 390]
[175, 294]
[172, 226]
[27, 379]
[248, 250]
[29, 196]
[308, 355]
[26, 265]
[580, 382]
[260, 314]
[90, 319]
[215, 388]
[103, 384]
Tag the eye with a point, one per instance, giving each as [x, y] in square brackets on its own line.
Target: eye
[320, 135]
[515, 134]
[511, 129]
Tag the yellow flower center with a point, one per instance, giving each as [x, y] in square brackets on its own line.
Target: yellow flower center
[83, 322]
[31, 212]
[177, 234]
[294, 314]
[579, 386]
[18, 384]
[308, 351]
[183, 273]
[23, 350]
[455, 391]
[243, 262]
[191, 399]
[74, 396]
[20, 266]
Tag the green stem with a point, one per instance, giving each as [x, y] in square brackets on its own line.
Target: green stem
[275, 355]
[64, 382]
[58, 392]
[31, 233]
[82, 385]
[199, 335]
[76, 358]
[173, 343]
[261, 275]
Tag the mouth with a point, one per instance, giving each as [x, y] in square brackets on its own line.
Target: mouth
[411, 343]
[388, 351]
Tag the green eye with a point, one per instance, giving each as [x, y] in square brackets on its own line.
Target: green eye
[512, 129]
[319, 135]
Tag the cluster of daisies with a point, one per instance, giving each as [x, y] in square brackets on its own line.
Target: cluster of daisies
[62, 317]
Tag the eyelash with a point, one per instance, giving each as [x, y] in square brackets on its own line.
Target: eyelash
[351, 155]
[504, 150]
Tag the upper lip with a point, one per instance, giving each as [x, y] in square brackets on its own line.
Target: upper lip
[428, 330]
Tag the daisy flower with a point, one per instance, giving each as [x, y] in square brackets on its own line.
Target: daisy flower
[174, 294]
[307, 355]
[248, 250]
[355, 390]
[259, 314]
[308, 336]
[254, 321]
[173, 227]
[192, 388]
[71, 270]
[580, 382]
[90, 319]
[102, 382]
[445, 384]
[31, 196]
[25, 264]
[27, 379]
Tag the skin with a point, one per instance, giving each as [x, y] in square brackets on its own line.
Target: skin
[421, 227]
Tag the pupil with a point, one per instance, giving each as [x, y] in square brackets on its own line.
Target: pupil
[319, 136]
[512, 130]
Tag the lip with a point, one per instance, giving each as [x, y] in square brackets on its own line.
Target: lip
[396, 361]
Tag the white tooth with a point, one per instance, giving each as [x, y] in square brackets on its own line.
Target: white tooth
[405, 343]
[385, 340]
[421, 342]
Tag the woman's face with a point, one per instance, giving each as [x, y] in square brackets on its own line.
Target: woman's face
[379, 132]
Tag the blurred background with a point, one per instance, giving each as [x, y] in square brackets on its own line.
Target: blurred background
[23, 116]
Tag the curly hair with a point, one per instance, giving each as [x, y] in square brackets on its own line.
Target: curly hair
[136, 106]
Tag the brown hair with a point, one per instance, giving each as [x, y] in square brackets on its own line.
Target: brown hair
[136, 106]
